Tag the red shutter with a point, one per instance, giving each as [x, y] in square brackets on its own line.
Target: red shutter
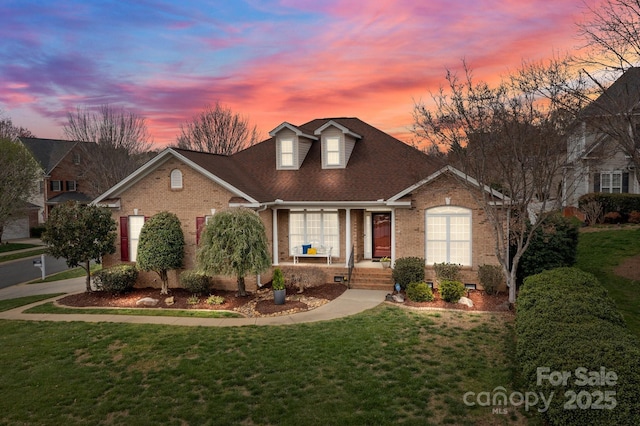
[200, 222]
[124, 238]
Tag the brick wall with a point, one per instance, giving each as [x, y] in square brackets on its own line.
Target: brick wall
[410, 225]
[153, 194]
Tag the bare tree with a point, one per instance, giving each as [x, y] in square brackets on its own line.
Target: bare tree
[217, 130]
[11, 132]
[612, 34]
[506, 138]
[119, 144]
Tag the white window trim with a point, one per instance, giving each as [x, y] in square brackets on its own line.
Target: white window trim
[134, 238]
[290, 155]
[449, 212]
[75, 185]
[176, 179]
[53, 186]
[337, 151]
[335, 248]
[609, 189]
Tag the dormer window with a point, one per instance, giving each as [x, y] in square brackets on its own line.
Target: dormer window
[333, 151]
[286, 152]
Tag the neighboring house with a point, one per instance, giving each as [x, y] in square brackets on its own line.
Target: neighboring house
[339, 185]
[597, 163]
[62, 179]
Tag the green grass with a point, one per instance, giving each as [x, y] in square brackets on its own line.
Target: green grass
[50, 308]
[599, 253]
[383, 366]
[15, 246]
[69, 273]
[8, 304]
[15, 256]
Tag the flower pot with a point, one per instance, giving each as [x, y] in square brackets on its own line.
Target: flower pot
[279, 296]
[386, 264]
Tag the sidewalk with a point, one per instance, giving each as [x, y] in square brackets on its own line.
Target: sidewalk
[349, 303]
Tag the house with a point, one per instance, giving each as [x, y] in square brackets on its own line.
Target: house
[336, 185]
[62, 179]
[596, 157]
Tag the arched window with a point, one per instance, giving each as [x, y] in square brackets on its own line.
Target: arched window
[448, 235]
[176, 179]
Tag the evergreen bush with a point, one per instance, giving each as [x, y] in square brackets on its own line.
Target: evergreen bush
[451, 291]
[419, 292]
[408, 270]
[116, 279]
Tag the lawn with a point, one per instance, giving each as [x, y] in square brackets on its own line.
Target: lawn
[599, 253]
[68, 274]
[22, 255]
[51, 308]
[382, 366]
[15, 246]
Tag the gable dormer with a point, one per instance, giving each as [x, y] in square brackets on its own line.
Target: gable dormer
[337, 144]
[292, 146]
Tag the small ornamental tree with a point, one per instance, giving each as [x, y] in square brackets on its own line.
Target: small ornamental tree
[161, 246]
[80, 234]
[234, 243]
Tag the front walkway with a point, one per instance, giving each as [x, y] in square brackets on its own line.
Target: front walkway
[349, 303]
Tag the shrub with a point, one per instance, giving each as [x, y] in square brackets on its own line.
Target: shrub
[193, 300]
[565, 320]
[490, 277]
[451, 291]
[592, 211]
[408, 270]
[621, 203]
[612, 217]
[554, 244]
[634, 216]
[447, 271]
[419, 292]
[215, 300]
[196, 282]
[117, 279]
[36, 231]
[277, 282]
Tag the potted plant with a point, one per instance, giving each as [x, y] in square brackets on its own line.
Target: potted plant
[279, 290]
[386, 262]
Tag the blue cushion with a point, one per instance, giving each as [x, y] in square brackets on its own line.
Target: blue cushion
[305, 248]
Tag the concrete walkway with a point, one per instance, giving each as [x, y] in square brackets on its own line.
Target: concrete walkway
[349, 303]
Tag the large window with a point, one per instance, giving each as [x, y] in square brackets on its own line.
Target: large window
[448, 235]
[314, 227]
[333, 151]
[286, 152]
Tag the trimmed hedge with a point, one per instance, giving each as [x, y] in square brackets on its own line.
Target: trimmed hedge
[116, 279]
[621, 203]
[408, 270]
[565, 320]
[419, 292]
[196, 282]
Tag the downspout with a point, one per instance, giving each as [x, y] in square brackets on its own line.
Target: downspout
[347, 243]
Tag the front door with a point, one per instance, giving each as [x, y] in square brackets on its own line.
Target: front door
[381, 223]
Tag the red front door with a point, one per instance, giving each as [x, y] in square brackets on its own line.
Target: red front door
[381, 234]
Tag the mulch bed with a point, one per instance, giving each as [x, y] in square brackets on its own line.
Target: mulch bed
[481, 302]
[259, 303]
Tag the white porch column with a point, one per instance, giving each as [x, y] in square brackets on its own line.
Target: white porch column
[274, 232]
[347, 238]
[393, 236]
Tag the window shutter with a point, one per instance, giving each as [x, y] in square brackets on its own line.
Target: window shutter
[200, 222]
[596, 182]
[625, 182]
[124, 238]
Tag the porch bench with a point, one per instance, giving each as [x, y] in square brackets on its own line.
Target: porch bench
[320, 251]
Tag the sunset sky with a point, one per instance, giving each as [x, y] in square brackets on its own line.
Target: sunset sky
[271, 61]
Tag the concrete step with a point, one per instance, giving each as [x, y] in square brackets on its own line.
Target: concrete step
[372, 279]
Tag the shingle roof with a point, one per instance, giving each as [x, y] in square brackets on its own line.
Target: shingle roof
[48, 152]
[379, 167]
[621, 97]
[69, 196]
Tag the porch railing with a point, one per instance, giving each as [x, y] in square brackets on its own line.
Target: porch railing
[351, 263]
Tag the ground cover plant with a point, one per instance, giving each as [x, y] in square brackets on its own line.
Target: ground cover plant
[599, 253]
[382, 366]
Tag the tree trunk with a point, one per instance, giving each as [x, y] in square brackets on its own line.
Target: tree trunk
[1, 231]
[165, 282]
[88, 282]
[242, 292]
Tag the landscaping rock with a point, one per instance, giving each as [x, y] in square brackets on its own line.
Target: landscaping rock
[466, 301]
[147, 301]
[389, 297]
[398, 298]
[169, 301]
